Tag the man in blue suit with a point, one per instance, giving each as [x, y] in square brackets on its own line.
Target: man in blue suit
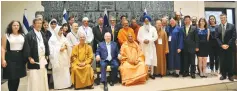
[107, 53]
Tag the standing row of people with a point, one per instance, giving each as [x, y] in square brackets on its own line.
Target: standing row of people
[138, 51]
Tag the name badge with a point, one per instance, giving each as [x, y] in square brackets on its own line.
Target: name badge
[160, 41]
[170, 38]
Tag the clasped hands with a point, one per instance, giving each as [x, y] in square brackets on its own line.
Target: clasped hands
[224, 46]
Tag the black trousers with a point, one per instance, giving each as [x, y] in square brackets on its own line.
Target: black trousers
[189, 61]
[13, 84]
[214, 58]
[226, 63]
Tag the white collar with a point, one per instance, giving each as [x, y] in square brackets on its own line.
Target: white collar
[36, 31]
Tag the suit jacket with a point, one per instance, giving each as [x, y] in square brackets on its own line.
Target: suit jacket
[116, 30]
[103, 52]
[182, 23]
[229, 38]
[33, 48]
[191, 41]
[98, 36]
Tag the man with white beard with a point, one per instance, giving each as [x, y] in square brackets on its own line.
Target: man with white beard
[147, 35]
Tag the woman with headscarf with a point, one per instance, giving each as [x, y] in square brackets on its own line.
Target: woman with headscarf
[60, 59]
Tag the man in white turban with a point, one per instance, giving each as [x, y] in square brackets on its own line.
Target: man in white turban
[86, 30]
[147, 35]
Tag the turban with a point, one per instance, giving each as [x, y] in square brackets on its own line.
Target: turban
[146, 17]
[85, 19]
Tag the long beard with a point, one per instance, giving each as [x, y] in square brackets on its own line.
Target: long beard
[147, 27]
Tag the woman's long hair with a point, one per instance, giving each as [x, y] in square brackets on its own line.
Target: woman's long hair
[9, 28]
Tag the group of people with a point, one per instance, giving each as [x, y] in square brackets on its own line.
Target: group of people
[133, 52]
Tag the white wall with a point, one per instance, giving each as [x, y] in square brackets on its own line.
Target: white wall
[13, 10]
[192, 8]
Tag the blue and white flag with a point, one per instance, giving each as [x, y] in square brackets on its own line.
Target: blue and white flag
[145, 12]
[65, 16]
[25, 23]
[106, 20]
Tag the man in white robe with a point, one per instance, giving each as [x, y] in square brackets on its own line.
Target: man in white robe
[60, 59]
[73, 36]
[86, 30]
[147, 35]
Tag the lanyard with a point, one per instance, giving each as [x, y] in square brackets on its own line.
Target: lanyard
[74, 35]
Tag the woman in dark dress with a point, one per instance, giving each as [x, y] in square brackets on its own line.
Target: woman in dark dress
[213, 49]
[65, 29]
[203, 34]
[13, 59]
[45, 26]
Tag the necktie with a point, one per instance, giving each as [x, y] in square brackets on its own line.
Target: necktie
[187, 29]
[113, 30]
[223, 32]
[101, 29]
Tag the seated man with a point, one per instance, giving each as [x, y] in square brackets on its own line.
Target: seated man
[82, 74]
[107, 53]
[133, 69]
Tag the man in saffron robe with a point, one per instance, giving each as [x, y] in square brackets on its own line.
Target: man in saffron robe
[133, 68]
[123, 32]
[81, 70]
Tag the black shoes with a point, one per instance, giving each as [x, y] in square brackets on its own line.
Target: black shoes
[111, 83]
[222, 78]
[185, 74]
[231, 78]
[193, 76]
[176, 75]
[152, 77]
[105, 87]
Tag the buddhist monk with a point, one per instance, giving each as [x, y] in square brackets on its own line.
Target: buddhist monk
[133, 69]
[135, 27]
[122, 35]
[81, 70]
[162, 49]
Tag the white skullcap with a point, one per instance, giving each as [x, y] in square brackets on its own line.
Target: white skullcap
[85, 19]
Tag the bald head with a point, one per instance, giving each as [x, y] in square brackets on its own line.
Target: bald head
[133, 22]
[125, 24]
[164, 21]
[107, 37]
[74, 27]
[130, 38]
[177, 15]
[82, 38]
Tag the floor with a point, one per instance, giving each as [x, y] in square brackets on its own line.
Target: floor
[165, 83]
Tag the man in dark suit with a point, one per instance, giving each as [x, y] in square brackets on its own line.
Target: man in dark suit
[178, 19]
[190, 46]
[98, 32]
[114, 29]
[71, 20]
[225, 36]
[107, 53]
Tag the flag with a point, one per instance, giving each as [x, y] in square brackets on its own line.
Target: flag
[180, 12]
[25, 22]
[145, 12]
[106, 20]
[65, 16]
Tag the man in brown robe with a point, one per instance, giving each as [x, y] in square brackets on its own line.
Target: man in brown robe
[161, 50]
[135, 27]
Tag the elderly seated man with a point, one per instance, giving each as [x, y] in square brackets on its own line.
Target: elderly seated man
[133, 69]
[82, 74]
[107, 53]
